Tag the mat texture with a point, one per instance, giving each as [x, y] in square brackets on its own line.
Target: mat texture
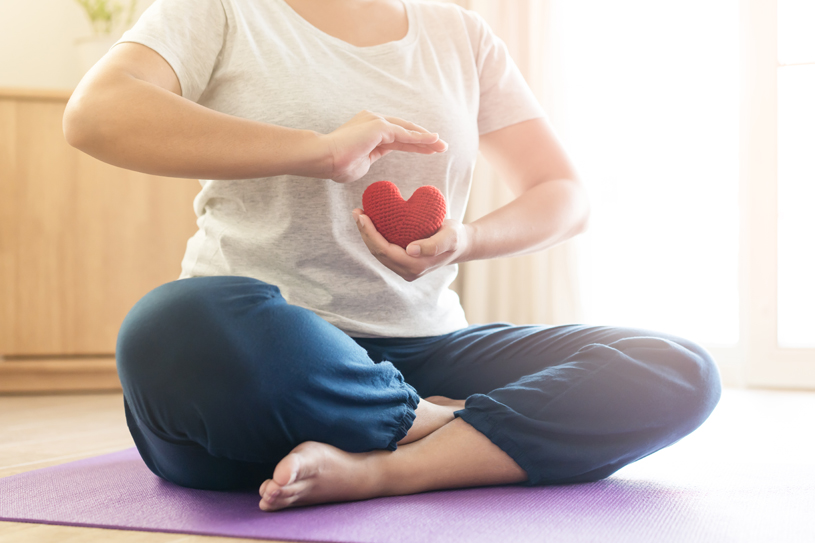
[118, 491]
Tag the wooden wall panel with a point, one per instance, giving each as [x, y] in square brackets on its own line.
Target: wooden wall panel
[8, 226]
[80, 241]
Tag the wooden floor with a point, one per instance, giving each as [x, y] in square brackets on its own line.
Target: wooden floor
[40, 431]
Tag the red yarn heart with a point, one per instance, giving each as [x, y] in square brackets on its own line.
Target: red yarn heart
[402, 222]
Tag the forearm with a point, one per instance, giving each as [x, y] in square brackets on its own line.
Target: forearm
[545, 215]
[136, 125]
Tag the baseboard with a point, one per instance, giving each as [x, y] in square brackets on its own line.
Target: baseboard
[58, 375]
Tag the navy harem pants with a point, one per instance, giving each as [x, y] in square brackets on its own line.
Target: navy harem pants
[222, 378]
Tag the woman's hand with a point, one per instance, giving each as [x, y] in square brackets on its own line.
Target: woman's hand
[447, 246]
[368, 137]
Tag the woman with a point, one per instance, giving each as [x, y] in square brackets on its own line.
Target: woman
[300, 352]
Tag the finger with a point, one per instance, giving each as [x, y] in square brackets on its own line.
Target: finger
[355, 213]
[439, 243]
[408, 147]
[390, 254]
[404, 135]
[406, 124]
[375, 241]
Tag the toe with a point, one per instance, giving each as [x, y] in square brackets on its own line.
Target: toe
[294, 490]
[301, 463]
[269, 499]
[280, 502]
[286, 470]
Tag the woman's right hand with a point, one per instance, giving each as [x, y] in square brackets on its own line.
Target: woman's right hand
[367, 137]
[128, 111]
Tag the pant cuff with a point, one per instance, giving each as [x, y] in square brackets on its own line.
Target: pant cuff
[409, 415]
[491, 425]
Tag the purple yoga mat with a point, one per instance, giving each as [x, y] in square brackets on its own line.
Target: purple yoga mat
[118, 491]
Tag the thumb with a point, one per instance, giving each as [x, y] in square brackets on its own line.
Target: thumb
[414, 249]
[432, 246]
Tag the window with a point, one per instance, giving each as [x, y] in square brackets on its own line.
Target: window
[796, 173]
[650, 92]
[694, 124]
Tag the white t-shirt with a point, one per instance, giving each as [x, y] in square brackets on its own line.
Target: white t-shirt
[260, 60]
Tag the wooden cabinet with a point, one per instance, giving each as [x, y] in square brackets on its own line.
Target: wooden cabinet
[80, 242]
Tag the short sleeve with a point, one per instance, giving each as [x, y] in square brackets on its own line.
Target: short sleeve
[505, 96]
[188, 34]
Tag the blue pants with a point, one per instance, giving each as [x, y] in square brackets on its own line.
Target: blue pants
[222, 378]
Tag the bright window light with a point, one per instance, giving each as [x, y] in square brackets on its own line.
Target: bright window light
[651, 119]
[796, 31]
[796, 197]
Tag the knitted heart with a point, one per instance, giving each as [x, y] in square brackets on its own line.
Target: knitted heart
[402, 222]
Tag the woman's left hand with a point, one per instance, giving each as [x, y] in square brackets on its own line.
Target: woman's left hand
[447, 246]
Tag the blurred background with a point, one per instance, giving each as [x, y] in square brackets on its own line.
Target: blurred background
[692, 123]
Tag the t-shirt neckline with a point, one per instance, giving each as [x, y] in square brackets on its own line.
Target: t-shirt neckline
[386, 47]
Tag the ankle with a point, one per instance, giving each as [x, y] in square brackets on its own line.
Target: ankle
[380, 477]
[429, 418]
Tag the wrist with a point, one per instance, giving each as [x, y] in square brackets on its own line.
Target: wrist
[467, 243]
[312, 155]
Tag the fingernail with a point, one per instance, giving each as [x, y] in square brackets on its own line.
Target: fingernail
[414, 250]
[293, 477]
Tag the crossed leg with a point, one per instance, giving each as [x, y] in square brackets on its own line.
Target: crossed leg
[319, 473]
[611, 397]
[226, 384]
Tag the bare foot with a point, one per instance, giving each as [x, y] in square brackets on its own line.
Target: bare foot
[320, 473]
[455, 456]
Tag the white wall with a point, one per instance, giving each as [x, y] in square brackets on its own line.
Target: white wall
[38, 42]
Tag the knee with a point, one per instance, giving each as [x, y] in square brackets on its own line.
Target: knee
[182, 322]
[182, 338]
[702, 379]
[682, 377]
[199, 358]
[618, 401]
[227, 359]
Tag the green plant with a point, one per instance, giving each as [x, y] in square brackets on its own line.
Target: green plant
[106, 15]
